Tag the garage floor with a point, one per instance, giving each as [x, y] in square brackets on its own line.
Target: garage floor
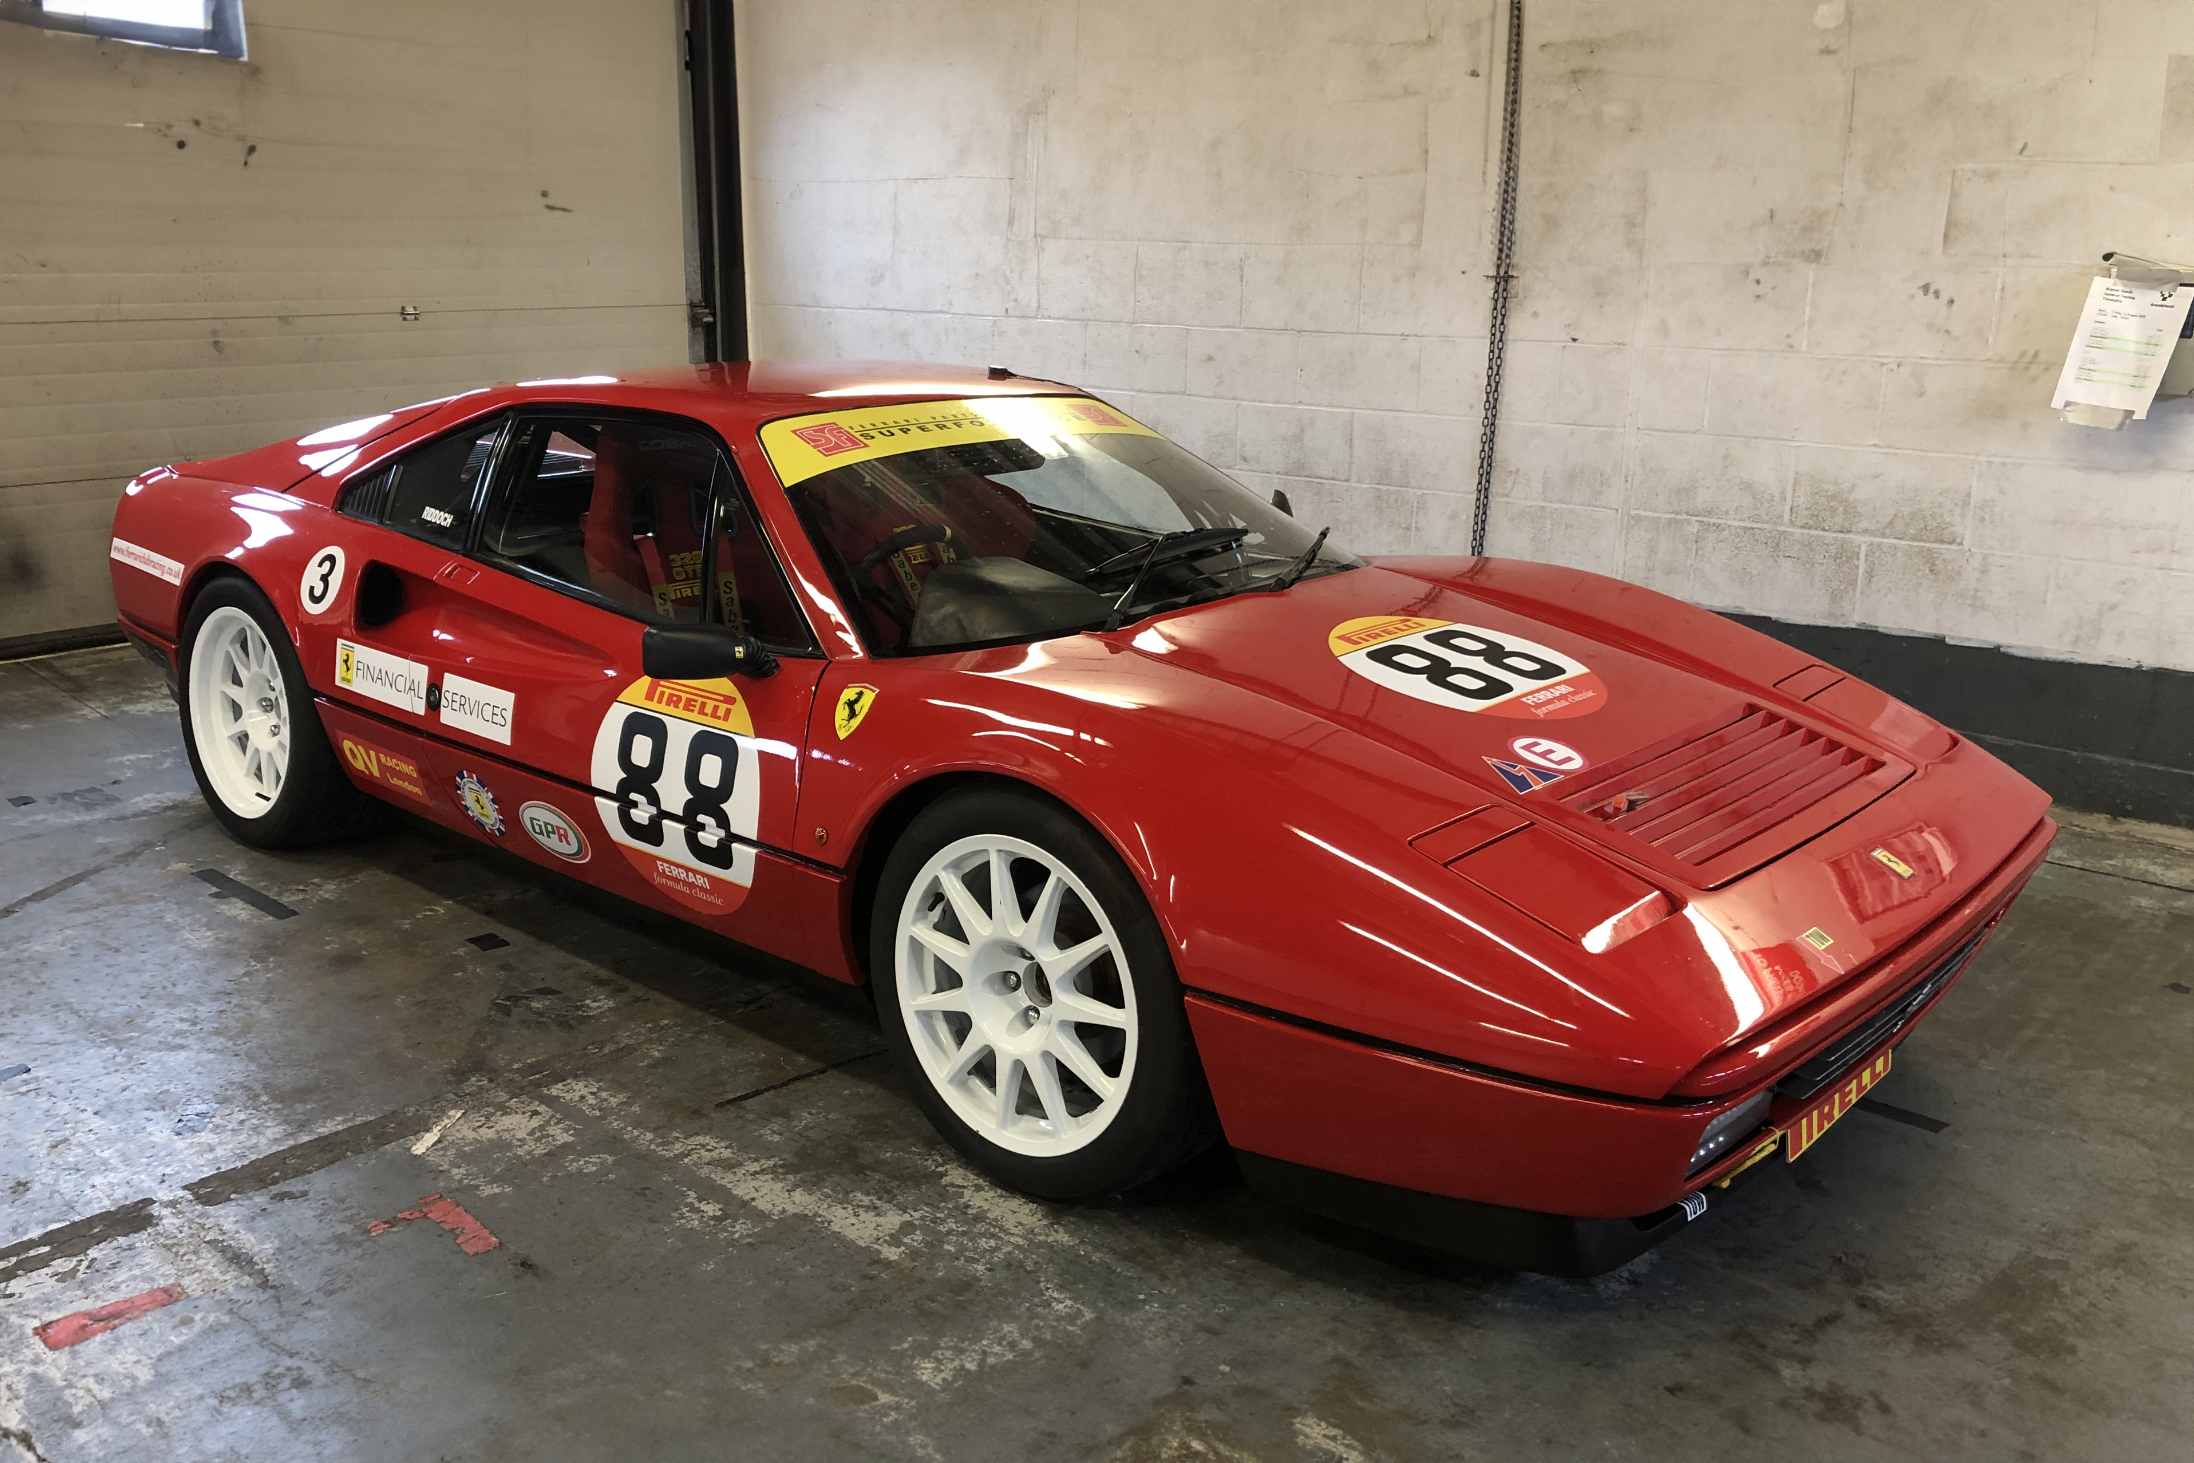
[722, 1231]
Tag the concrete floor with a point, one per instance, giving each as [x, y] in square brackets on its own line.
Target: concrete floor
[725, 1232]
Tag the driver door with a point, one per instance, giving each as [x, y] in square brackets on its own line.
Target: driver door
[599, 524]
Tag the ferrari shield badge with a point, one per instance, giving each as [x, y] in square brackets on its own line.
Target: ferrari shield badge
[479, 803]
[853, 704]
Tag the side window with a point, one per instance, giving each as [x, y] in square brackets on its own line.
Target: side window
[618, 510]
[751, 583]
[429, 493]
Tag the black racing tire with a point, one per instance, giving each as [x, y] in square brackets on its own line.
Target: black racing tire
[313, 802]
[1159, 1112]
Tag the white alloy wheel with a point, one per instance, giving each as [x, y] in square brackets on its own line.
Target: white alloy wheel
[1016, 995]
[239, 712]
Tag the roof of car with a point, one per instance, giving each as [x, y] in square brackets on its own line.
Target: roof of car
[773, 388]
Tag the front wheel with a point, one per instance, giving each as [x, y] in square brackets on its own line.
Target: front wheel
[248, 722]
[1027, 993]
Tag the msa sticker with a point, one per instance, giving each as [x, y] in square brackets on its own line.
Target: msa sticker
[1467, 667]
[385, 767]
[679, 788]
[322, 581]
[379, 676]
[558, 834]
[479, 803]
[1546, 752]
[159, 566]
[1818, 938]
[1522, 777]
[474, 706]
[853, 704]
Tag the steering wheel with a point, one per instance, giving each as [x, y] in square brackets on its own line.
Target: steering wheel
[889, 544]
[893, 543]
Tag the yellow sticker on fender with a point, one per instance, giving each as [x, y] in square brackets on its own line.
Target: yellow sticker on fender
[1467, 667]
[802, 447]
[853, 705]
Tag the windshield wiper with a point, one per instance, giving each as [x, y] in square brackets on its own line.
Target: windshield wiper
[1168, 546]
[1302, 565]
[1180, 544]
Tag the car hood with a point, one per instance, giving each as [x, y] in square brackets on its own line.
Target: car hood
[1518, 708]
[1347, 785]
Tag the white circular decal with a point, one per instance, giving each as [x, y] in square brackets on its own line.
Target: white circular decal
[323, 580]
[558, 834]
[1552, 755]
[683, 779]
[1467, 667]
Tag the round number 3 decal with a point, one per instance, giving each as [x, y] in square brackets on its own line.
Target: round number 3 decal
[322, 582]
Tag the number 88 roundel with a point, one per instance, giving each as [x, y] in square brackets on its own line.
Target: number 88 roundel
[678, 788]
[1467, 667]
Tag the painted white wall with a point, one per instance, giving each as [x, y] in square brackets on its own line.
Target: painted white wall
[1796, 278]
[198, 256]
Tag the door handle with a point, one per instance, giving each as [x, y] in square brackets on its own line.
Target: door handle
[457, 572]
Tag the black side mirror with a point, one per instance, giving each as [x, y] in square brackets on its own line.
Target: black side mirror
[1279, 501]
[702, 653]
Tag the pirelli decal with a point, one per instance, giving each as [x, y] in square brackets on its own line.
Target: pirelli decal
[1822, 1116]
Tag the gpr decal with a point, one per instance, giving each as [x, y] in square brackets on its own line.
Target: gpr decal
[853, 704]
[385, 767]
[379, 676]
[484, 710]
[322, 580]
[1467, 667]
[159, 566]
[549, 827]
[479, 803]
[681, 788]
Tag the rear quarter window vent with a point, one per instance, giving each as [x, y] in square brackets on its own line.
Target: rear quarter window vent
[1724, 798]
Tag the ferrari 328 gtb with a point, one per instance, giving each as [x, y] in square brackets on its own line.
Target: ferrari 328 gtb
[1505, 907]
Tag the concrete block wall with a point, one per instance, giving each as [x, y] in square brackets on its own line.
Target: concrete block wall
[1795, 278]
[200, 255]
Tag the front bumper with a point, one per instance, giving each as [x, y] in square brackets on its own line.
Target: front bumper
[1524, 1173]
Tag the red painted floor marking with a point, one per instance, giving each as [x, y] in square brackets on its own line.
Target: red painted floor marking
[471, 1235]
[84, 1325]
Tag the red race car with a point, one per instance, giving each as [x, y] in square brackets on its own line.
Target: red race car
[1504, 907]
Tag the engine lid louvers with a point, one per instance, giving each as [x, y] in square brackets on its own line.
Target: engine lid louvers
[1728, 796]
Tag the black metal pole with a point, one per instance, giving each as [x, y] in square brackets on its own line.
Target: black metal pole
[720, 236]
[1504, 258]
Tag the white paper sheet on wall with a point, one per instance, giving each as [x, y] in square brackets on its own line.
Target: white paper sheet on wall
[2125, 340]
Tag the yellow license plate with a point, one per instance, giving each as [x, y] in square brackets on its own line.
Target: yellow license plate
[1820, 1117]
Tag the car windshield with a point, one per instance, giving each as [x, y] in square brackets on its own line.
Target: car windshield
[994, 521]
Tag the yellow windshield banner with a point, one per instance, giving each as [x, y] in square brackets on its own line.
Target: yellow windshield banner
[801, 447]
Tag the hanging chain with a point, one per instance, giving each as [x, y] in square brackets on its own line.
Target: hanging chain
[1504, 256]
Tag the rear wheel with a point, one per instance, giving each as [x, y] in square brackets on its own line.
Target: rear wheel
[1027, 992]
[254, 740]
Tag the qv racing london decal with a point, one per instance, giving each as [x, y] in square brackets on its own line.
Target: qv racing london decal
[1467, 667]
[684, 788]
[479, 802]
